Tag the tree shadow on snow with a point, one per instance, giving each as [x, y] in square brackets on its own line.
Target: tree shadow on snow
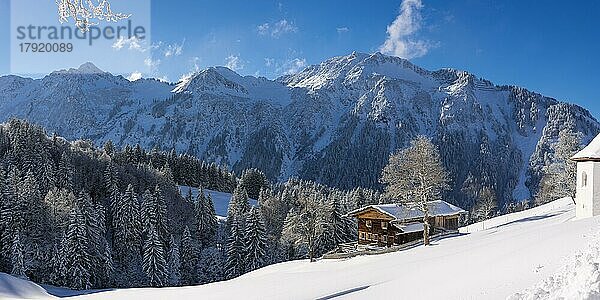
[529, 219]
[343, 293]
[66, 293]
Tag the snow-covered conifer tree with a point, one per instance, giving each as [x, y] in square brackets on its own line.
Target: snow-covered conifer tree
[127, 230]
[147, 211]
[65, 172]
[111, 183]
[174, 264]
[205, 219]
[19, 267]
[238, 208]
[77, 257]
[210, 265]
[188, 258]
[253, 180]
[160, 208]
[341, 229]
[255, 238]
[236, 252]
[154, 262]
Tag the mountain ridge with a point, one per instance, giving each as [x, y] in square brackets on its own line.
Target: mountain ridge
[335, 122]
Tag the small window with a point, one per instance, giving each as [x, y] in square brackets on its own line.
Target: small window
[375, 237]
[384, 238]
[583, 179]
[369, 223]
[362, 235]
[370, 236]
[383, 225]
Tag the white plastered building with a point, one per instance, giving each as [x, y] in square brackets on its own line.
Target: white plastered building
[587, 197]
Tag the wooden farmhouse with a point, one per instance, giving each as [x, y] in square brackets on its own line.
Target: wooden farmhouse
[394, 224]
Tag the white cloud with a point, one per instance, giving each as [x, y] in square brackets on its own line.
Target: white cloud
[234, 62]
[131, 43]
[341, 30]
[277, 29]
[174, 49]
[263, 29]
[195, 61]
[401, 40]
[269, 61]
[294, 66]
[165, 49]
[153, 64]
[134, 76]
[285, 67]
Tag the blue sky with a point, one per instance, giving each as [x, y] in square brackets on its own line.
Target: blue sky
[549, 47]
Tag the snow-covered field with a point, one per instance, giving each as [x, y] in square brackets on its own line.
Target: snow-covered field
[515, 254]
[220, 199]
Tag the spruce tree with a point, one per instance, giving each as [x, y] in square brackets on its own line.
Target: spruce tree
[236, 255]
[127, 231]
[210, 265]
[57, 262]
[154, 262]
[160, 210]
[342, 228]
[256, 243]
[238, 207]
[253, 180]
[147, 211]
[111, 184]
[188, 258]
[77, 257]
[35, 227]
[65, 172]
[205, 219]
[174, 264]
[19, 266]
[9, 219]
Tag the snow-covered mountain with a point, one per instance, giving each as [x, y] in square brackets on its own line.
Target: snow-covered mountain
[335, 122]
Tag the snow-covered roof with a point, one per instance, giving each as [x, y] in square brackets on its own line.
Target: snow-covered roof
[411, 227]
[401, 212]
[590, 152]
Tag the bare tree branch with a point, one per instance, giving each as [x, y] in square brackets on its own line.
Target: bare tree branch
[84, 12]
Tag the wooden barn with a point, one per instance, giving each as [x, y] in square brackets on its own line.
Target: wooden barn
[394, 224]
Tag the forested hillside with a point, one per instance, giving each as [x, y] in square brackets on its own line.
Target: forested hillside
[334, 123]
[76, 215]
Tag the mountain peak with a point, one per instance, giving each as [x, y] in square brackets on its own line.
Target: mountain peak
[89, 67]
[356, 67]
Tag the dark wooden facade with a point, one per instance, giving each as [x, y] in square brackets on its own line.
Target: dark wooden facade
[378, 228]
[375, 227]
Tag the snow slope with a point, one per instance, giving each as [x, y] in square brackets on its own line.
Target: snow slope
[494, 263]
[15, 288]
[220, 199]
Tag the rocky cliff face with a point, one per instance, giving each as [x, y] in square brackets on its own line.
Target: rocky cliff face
[335, 122]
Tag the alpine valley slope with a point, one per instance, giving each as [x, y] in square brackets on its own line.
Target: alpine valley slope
[335, 122]
[514, 253]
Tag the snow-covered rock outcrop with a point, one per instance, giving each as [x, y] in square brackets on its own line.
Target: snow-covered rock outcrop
[335, 122]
